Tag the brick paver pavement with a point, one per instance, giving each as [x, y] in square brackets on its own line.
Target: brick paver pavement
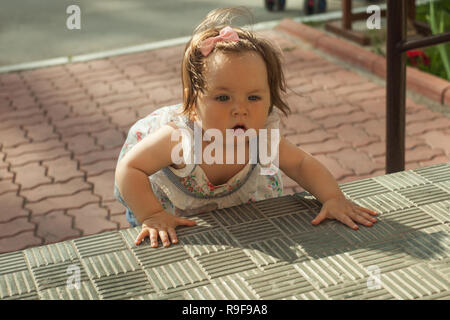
[61, 129]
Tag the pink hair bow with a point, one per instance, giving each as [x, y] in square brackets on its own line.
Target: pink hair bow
[226, 34]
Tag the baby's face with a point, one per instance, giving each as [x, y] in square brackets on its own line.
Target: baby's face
[237, 92]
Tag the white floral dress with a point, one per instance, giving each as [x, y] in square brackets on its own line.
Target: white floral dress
[188, 191]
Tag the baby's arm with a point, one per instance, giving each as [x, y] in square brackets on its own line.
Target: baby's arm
[315, 178]
[132, 172]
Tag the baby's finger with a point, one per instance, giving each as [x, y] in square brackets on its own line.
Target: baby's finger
[154, 237]
[346, 220]
[366, 210]
[185, 222]
[164, 238]
[172, 235]
[360, 219]
[365, 215]
[141, 236]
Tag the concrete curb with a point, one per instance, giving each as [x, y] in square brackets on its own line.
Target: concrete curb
[421, 82]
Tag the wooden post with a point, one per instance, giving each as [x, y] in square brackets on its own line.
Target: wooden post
[395, 86]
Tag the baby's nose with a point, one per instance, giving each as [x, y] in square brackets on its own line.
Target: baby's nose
[240, 109]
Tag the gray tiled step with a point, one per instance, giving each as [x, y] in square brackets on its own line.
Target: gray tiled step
[123, 286]
[16, 284]
[362, 188]
[435, 173]
[12, 262]
[99, 244]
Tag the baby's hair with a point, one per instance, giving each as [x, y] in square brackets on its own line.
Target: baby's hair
[193, 65]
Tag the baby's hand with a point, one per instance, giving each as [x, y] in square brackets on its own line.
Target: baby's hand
[162, 223]
[345, 211]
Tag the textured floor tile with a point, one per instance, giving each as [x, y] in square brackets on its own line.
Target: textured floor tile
[331, 270]
[112, 263]
[205, 221]
[357, 290]
[436, 173]
[385, 202]
[124, 285]
[425, 194]
[222, 263]
[416, 282]
[177, 276]
[297, 223]
[408, 220]
[58, 274]
[401, 180]
[207, 242]
[99, 244]
[274, 251]
[316, 245]
[363, 188]
[50, 254]
[281, 206]
[149, 257]
[279, 283]
[382, 230]
[16, 284]
[86, 291]
[237, 214]
[386, 257]
[12, 262]
[224, 288]
[261, 229]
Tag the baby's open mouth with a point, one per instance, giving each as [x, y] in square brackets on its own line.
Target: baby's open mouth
[239, 129]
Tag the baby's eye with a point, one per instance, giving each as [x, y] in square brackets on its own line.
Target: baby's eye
[222, 98]
[254, 98]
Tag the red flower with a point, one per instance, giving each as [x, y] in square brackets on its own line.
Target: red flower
[414, 55]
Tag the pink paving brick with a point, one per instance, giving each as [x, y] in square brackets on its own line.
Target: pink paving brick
[100, 155]
[121, 221]
[315, 136]
[82, 143]
[103, 185]
[39, 156]
[438, 140]
[99, 167]
[351, 118]
[12, 207]
[422, 127]
[61, 203]
[110, 138]
[92, 219]
[55, 227]
[57, 111]
[20, 241]
[55, 190]
[8, 186]
[358, 162]
[324, 112]
[334, 166]
[15, 226]
[40, 132]
[30, 175]
[298, 123]
[62, 169]
[33, 147]
[124, 118]
[6, 174]
[12, 137]
[328, 146]
[114, 207]
[84, 107]
[356, 136]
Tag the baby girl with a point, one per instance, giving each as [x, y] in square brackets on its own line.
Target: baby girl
[232, 82]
